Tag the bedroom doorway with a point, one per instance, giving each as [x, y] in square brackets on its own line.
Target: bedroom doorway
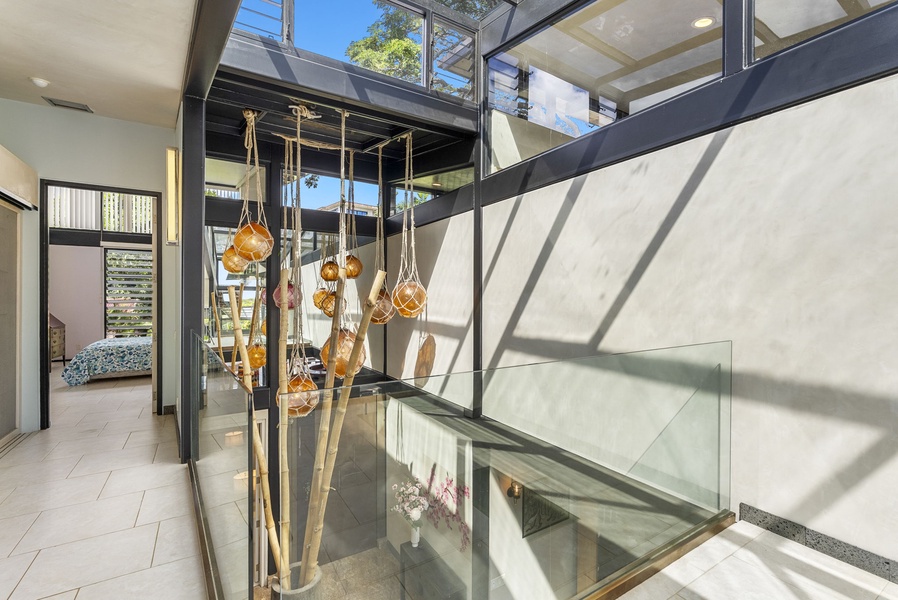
[101, 261]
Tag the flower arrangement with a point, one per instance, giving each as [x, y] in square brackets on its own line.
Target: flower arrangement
[412, 501]
[446, 507]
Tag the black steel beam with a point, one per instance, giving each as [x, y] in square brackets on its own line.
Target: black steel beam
[866, 49]
[447, 158]
[44, 317]
[442, 207]
[294, 72]
[212, 23]
[193, 185]
[509, 24]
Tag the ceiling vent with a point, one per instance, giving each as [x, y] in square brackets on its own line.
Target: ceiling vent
[67, 104]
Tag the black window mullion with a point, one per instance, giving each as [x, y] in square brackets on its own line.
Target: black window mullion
[737, 34]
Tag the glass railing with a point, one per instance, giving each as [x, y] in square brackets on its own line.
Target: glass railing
[579, 472]
[221, 445]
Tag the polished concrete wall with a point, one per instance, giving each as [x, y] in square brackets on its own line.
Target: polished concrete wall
[777, 234]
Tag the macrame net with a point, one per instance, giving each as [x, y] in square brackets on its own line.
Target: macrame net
[253, 241]
[383, 310]
[301, 395]
[409, 296]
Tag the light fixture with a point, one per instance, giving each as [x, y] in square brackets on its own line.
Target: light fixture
[437, 184]
[172, 196]
[703, 22]
[514, 490]
[41, 83]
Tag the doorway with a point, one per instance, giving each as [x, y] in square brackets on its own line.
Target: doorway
[9, 319]
[100, 255]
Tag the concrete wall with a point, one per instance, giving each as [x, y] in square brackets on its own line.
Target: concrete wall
[77, 294]
[445, 266]
[777, 234]
[80, 148]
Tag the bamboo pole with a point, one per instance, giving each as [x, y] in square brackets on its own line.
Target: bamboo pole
[256, 304]
[238, 326]
[323, 431]
[257, 440]
[339, 417]
[282, 431]
[218, 326]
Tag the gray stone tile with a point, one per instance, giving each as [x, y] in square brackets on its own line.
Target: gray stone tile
[765, 520]
[862, 559]
[361, 500]
[360, 570]
[350, 541]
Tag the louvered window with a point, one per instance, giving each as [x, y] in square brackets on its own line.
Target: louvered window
[129, 293]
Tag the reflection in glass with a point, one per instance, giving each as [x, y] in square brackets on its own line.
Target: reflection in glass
[453, 61]
[476, 9]
[228, 180]
[783, 23]
[596, 66]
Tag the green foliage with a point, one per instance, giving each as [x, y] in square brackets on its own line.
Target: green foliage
[310, 180]
[390, 47]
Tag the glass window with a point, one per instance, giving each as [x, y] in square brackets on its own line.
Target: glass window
[129, 293]
[419, 197]
[262, 17]
[375, 35]
[72, 208]
[476, 9]
[127, 213]
[783, 23]
[228, 180]
[441, 183]
[453, 61]
[596, 66]
[321, 192]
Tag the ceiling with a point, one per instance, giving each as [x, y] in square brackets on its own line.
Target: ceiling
[125, 59]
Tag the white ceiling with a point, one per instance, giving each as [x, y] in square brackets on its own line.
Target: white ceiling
[123, 58]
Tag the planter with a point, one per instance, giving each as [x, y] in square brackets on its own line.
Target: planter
[309, 592]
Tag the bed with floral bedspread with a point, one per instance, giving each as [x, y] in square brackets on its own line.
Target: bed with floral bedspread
[116, 357]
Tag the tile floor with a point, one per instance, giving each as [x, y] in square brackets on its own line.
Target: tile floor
[747, 563]
[98, 505]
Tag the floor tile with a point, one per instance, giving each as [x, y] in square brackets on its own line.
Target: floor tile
[177, 539]
[11, 571]
[734, 579]
[118, 414]
[167, 452]
[809, 570]
[889, 593]
[146, 477]
[149, 437]
[80, 521]
[72, 448]
[86, 562]
[165, 503]
[70, 595]
[48, 470]
[226, 525]
[369, 566]
[12, 530]
[180, 580]
[130, 425]
[113, 460]
[25, 454]
[664, 584]
[52, 494]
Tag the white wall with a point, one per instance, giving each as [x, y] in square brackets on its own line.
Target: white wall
[77, 295]
[446, 268]
[82, 148]
[778, 235]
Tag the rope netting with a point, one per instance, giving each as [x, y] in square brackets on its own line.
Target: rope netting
[252, 242]
[409, 296]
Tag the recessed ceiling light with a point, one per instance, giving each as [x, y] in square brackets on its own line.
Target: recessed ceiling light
[41, 83]
[437, 184]
[703, 22]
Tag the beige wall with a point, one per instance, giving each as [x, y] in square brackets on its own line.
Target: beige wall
[76, 294]
[778, 235]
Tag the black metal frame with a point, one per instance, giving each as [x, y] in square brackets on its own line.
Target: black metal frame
[82, 237]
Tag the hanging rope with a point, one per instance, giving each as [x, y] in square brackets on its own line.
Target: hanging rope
[252, 242]
[383, 310]
[409, 296]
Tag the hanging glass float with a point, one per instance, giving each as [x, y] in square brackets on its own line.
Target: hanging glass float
[301, 396]
[253, 242]
[257, 356]
[329, 304]
[409, 298]
[353, 267]
[233, 262]
[294, 296]
[319, 296]
[383, 308]
[264, 327]
[345, 342]
[330, 271]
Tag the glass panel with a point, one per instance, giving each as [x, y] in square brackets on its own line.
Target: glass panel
[129, 293]
[400, 202]
[228, 180]
[440, 183]
[375, 35]
[262, 17]
[476, 9]
[783, 23]
[453, 61]
[127, 213]
[322, 192]
[580, 470]
[70, 208]
[596, 66]
[221, 455]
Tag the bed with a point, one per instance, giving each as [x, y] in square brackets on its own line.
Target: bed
[116, 357]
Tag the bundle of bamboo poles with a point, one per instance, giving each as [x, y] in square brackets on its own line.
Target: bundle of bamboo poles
[328, 435]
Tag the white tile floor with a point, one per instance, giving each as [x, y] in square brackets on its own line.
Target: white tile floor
[98, 505]
[747, 563]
